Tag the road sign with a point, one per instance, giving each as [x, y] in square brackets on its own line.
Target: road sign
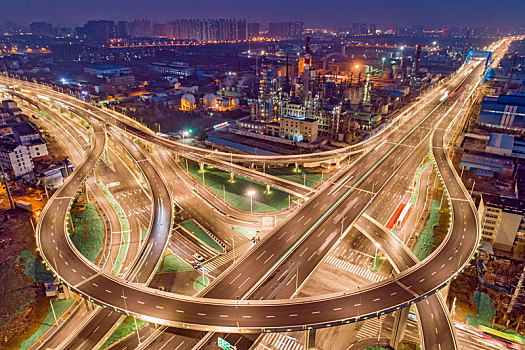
[223, 344]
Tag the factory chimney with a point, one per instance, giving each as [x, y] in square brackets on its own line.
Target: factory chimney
[308, 52]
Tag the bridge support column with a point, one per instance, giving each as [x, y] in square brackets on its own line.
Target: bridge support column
[177, 157]
[296, 168]
[398, 330]
[70, 225]
[443, 201]
[83, 198]
[89, 305]
[338, 162]
[67, 291]
[97, 176]
[153, 326]
[267, 188]
[309, 339]
[232, 177]
[201, 167]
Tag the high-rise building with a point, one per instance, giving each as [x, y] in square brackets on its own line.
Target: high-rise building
[254, 29]
[141, 28]
[296, 29]
[123, 29]
[81, 32]
[66, 52]
[162, 30]
[204, 29]
[359, 28]
[41, 28]
[279, 30]
[503, 221]
[100, 31]
[372, 28]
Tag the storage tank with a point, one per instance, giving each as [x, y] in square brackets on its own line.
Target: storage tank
[187, 102]
[209, 100]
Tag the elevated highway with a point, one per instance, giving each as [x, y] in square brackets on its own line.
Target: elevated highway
[283, 315]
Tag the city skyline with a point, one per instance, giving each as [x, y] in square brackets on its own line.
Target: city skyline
[335, 14]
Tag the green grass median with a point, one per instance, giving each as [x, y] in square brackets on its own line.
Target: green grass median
[172, 263]
[192, 226]
[124, 329]
[426, 239]
[200, 283]
[60, 307]
[297, 175]
[89, 233]
[246, 232]
[124, 226]
[237, 191]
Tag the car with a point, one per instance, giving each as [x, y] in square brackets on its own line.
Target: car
[198, 257]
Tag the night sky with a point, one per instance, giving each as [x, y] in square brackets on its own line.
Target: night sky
[327, 13]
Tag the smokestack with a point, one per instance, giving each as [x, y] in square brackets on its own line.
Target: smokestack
[416, 60]
[286, 85]
[308, 39]
[308, 52]
[415, 65]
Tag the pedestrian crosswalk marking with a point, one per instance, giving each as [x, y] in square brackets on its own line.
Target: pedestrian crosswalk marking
[225, 258]
[279, 341]
[346, 266]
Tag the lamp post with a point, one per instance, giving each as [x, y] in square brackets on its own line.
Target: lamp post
[383, 64]
[378, 246]
[251, 193]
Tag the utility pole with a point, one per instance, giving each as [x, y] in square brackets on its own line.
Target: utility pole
[53, 309]
[296, 278]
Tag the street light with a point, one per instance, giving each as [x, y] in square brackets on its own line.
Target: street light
[383, 63]
[251, 193]
[378, 246]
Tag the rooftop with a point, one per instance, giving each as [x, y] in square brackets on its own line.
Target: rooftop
[24, 129]
[507, 204]
[309, 120]
[106, 67]
[501, 141]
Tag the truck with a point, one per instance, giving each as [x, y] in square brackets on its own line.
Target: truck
[24, 205]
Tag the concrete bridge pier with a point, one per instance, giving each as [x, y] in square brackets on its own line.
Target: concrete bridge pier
[338, 162]
[398, 330]
[83, 198]
[89, 305]
[267, 188]
[309, 339]
[443, 201]
[67, 291]
[296, 167]
[177, 157]
[232, 177]
[201, 167]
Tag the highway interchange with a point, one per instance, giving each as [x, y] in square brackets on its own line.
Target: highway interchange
[310, 233]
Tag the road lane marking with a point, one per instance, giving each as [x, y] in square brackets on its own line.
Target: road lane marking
[265, 261]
